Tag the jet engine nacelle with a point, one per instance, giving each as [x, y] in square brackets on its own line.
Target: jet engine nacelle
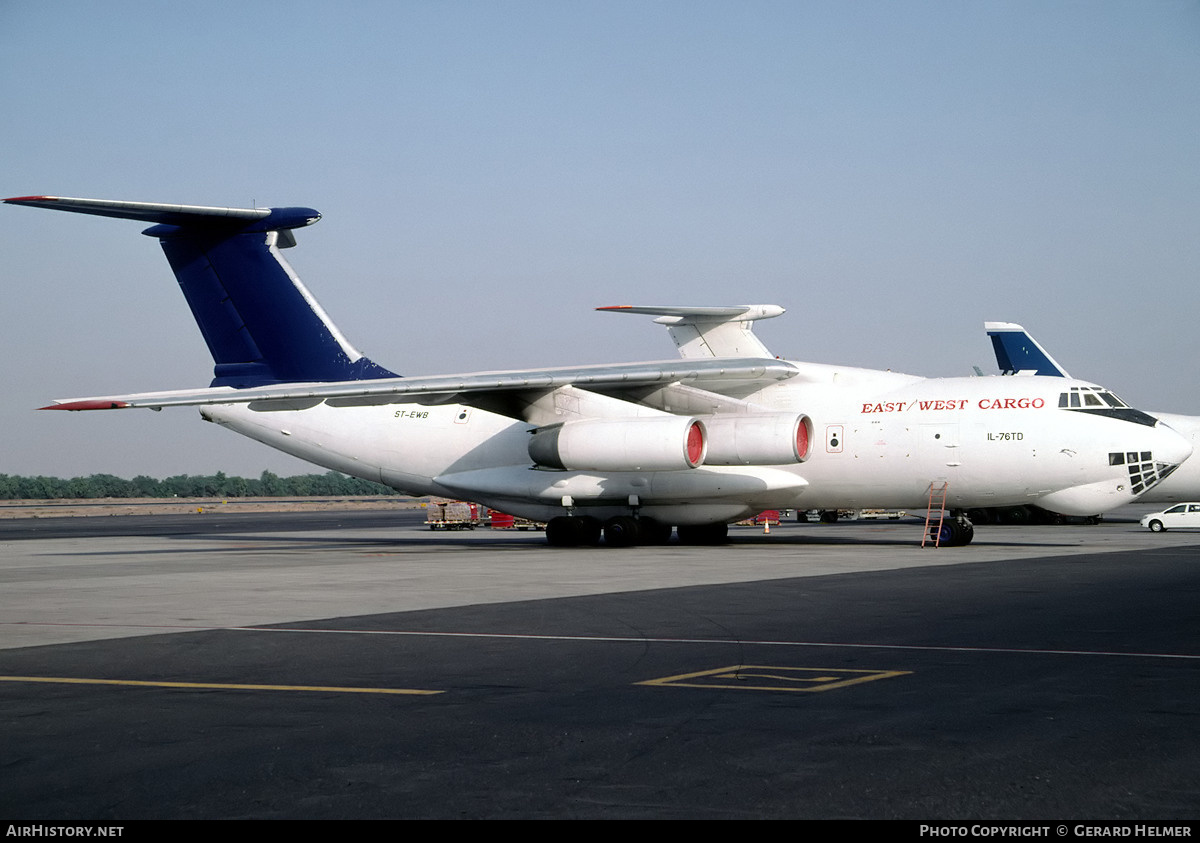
[657, 443]
[768, 439]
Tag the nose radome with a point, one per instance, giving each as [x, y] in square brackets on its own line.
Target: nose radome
[1172, 448]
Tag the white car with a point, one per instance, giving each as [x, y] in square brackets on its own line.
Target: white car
[1182, 515]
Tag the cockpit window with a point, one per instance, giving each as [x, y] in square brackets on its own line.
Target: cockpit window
[1097, 401]
[1089, 396]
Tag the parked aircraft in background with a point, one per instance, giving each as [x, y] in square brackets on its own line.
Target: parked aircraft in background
[1018, 353]
[628, 450]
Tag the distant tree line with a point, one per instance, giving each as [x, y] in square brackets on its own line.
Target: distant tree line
[219, 485]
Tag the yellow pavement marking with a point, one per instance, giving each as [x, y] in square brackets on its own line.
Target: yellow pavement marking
[225, 686]
[806, 679]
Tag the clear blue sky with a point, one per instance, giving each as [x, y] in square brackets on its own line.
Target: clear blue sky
[894, 173]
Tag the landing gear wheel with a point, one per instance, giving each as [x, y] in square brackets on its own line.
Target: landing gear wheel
[703, 534]
[829, 516]
[948, 534]
[572, 531]
[653, 531]
[589, 531]
[955, 533]
[563, 531]
[1018, 515]
[621, 531]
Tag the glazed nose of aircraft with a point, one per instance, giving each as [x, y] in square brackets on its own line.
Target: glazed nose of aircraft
[1161, 450]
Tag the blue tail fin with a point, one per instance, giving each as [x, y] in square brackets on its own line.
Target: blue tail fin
[1016, 351]
[260, 322]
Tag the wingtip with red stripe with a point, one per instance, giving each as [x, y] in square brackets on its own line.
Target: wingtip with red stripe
[87, 405]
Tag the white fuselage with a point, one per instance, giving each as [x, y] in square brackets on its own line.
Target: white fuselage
[879, 439]
[725, 431]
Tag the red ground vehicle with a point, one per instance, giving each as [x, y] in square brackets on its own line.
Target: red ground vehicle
[504, 521]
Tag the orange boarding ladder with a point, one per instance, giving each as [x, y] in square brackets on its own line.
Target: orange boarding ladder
[933, 528]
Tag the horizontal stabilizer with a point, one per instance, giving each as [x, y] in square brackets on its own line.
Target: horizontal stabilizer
[261, 324]
[148, 211]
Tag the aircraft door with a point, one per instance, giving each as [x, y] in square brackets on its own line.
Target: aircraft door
[940, 452]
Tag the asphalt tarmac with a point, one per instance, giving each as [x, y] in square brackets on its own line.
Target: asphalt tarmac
[285, 667]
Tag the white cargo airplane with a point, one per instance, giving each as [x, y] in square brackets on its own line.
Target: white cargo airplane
[1018, 353]
[630, 450]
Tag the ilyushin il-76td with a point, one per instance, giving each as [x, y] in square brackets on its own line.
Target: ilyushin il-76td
[628, 451]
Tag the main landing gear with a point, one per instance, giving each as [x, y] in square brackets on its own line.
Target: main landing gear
[627, 531]
[572, 531]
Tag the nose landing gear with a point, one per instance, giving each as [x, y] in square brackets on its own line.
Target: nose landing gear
[956, 531]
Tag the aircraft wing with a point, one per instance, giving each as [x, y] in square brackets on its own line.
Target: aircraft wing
[715, 375]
